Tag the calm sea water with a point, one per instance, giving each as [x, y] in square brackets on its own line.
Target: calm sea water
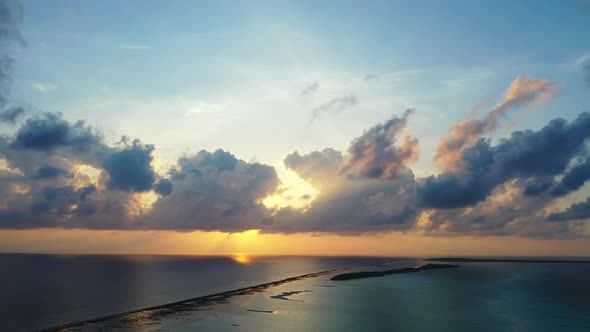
[42, 290]
[39, 291]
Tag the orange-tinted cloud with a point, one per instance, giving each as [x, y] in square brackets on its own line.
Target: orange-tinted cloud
[377, 153]
[523, 91]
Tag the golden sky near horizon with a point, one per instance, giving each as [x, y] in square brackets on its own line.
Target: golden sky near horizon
[76, 241]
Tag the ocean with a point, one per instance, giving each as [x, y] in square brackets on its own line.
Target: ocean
[42, 291]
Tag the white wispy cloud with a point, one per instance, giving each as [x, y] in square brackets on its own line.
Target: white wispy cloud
[43, 87]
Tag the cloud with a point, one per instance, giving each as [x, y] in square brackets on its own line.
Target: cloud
[41, 185]
[50, 131]
[130, 169]
[523, 91]
[207, 191]
[358, 206]
[577, 211]
[50, 172]
[574, 179]
[11, 15]
[525, 154]
[334, 105]
[318, 167]
[44, 87]
[503, 190]
[310, 89]
[571, 181]
[164, 187]
[57, 173]
[66, 201]
[11, 115]
[378, 154]
[214, 191]
[506, 211]
[49, 139]
[369, 189]
[493, 195]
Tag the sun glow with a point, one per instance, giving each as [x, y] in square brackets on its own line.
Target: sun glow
[293, 192]
[4, 166]
[242, 259]
[85, 175]
[141, 203]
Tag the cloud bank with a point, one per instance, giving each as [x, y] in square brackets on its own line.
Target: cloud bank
[58, 173]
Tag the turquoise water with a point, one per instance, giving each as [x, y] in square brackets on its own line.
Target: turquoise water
[474, 297]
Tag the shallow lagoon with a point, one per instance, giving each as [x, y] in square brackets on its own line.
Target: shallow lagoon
[474, 297]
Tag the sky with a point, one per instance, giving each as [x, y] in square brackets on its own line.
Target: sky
[295, 127]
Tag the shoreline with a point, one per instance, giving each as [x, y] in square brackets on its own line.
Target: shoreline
[374, 274]
[196, 302]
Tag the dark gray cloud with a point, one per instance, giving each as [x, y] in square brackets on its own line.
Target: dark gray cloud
[572, 180]
[525, 154]
[164, 187]
[48, 139]
[11, 115]
[507, 211]
[538, 185]
[62, 201]
[378, 152]
[50, 131]
[334, 105]
[130, 169]
[50, 172]
[214, 191]
[42, 186]
[577, 211]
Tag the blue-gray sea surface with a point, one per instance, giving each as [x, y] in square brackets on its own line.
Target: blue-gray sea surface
[39, 291]
[42, 290]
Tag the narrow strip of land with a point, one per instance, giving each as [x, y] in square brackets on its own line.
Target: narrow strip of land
[263, 311]
[372, 274]
[193, 304]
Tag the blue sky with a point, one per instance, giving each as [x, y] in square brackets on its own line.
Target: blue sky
[263, 80]
[247, 62]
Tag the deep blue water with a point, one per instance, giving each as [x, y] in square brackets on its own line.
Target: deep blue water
[39, 291]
